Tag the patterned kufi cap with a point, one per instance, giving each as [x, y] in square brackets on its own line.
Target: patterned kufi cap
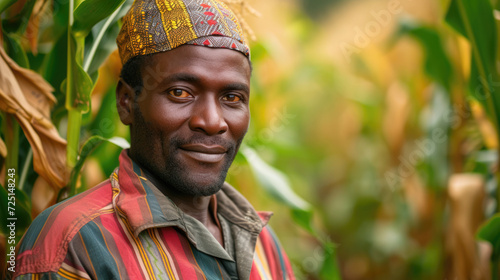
[153, 26]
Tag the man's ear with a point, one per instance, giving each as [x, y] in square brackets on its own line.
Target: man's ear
[124, 102]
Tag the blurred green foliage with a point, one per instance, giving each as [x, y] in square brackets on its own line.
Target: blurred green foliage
[367, 142]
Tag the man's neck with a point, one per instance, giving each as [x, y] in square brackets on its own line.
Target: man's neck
[197, 207]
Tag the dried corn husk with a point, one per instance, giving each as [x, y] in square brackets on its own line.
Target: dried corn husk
[396, 116]
[467, 259]
[28, 97]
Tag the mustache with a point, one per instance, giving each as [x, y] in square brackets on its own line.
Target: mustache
[205, 140]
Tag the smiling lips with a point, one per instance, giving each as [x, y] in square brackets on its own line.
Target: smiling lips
[204, 153]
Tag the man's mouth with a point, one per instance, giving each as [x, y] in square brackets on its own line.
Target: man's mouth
[204, 153]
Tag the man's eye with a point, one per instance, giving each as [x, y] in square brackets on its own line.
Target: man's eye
[231, 98]
[179, 93]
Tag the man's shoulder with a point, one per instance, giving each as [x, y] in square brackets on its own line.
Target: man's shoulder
[44, 245]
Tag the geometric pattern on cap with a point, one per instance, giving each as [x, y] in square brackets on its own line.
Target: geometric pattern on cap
[153, 26]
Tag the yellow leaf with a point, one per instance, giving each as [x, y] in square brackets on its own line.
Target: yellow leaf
[27, 96]
[3, 149]
[485, 126]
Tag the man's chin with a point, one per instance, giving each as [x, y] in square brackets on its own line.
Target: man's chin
[200, 184]
[197, 190]
[197, 180]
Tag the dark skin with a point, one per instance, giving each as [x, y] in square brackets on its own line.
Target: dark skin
[187, 123]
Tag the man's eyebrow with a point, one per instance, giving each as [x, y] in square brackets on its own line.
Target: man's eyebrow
[236, 86]
[182, 77]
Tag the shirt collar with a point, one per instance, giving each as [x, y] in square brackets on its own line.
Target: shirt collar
[145, 206]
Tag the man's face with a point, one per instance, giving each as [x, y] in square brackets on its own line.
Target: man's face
[190, 118]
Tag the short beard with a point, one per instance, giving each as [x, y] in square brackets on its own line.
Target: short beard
[177, 178]
[174, 177]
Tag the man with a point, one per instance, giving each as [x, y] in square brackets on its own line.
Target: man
[166, 212]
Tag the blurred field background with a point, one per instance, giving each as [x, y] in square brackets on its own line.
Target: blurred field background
[381, 114]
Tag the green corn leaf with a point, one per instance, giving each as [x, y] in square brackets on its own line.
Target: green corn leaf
[81, 84]
[83, 88]
[87, 148]
[100, 46]
[330, 269]
[4, 4]
[489, 232]
[19, 22]
[304, 219]
[90, 12]
[273, 181]
[474, 20]
[15, 50]
[437, 64]
[101, 41]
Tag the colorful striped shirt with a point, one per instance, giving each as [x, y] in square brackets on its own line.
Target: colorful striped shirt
[125, 228]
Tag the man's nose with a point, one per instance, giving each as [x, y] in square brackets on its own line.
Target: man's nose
[207, 117]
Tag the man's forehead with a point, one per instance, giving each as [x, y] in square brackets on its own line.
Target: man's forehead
[194, 63]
